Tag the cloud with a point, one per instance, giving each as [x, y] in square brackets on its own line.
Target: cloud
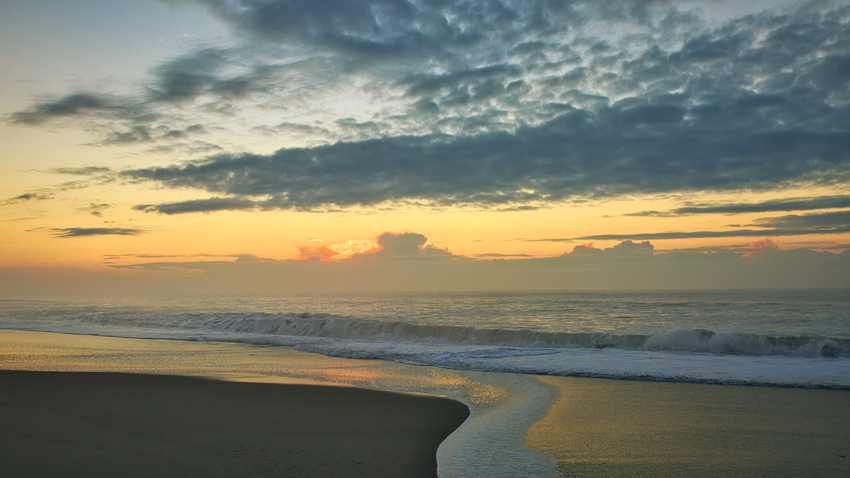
[208, 71]
[338, 252]
[378, 29]
[96, 209]
[81, 171]
[499, 255]
[576, 154]
[34, 196]
[68, 106]
[399, 265]
[827, 221]
[408, 244]
[99, 176]
[148, 116]
[388, 246]
[765, 243]
[199, 205]
[501, 104]
[242, 256]
[95, 231]
[792, 225]
[778, 205]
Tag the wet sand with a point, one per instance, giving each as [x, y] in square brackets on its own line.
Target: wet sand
[134, 425]
[620, 428]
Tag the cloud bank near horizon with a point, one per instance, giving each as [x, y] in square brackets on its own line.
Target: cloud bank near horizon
[407, 262]
[628, 265]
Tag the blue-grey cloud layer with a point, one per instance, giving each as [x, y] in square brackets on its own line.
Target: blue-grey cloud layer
[503, 103]
[837, 222]
[777, 205]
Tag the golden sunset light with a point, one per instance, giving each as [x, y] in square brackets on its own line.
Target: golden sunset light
[520, 238]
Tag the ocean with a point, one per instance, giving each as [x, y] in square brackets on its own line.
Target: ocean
[484, 348]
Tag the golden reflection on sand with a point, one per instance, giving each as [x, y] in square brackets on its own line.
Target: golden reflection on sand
[602, 427]
[39, 351]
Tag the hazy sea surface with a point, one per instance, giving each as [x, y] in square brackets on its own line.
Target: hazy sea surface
[476, 344]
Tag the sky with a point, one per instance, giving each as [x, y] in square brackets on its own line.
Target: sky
[271, 145]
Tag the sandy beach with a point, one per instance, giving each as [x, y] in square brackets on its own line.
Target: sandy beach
[112, 424]
[78, 405]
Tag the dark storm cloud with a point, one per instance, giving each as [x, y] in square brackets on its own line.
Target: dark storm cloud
[95, 231]
[780, 205]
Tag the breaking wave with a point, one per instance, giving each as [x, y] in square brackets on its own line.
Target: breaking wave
[340, 327]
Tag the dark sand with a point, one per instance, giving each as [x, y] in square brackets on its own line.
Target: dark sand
[111, 424]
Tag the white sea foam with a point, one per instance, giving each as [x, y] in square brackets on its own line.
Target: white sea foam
[490, 442]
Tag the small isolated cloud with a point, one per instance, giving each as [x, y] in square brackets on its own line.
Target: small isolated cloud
[95, 231]
[35, 196]
[96, 209]
[81, 171]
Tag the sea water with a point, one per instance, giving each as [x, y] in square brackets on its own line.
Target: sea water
[494, 342]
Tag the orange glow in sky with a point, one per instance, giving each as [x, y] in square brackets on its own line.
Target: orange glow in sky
[342, 251]
[164, 149]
